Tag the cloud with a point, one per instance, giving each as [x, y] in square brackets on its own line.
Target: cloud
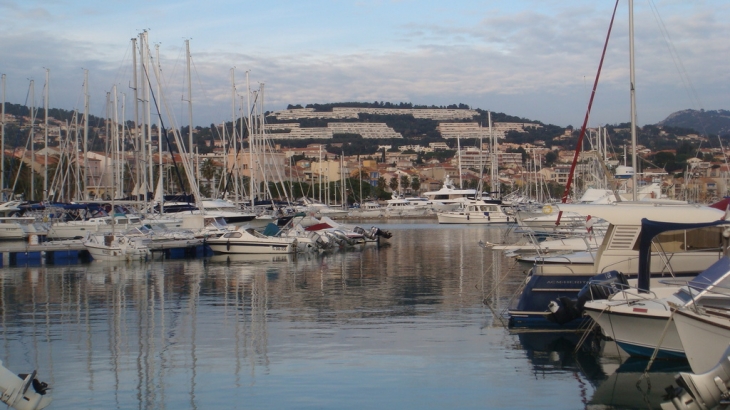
[537, 61]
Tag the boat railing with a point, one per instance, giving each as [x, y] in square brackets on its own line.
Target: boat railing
[631, 294]
[666, 259]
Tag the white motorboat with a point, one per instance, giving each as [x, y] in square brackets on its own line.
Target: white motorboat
[550, 247]
[74, 229]
[113, 247]
[370, 209]
[476, 212]
[704, 332]
[405, 207]
[690, 252]
[449, 198]
[248, 240]
[639, 321]
[16, 227]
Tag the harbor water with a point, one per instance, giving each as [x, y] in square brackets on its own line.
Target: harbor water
[411, 324]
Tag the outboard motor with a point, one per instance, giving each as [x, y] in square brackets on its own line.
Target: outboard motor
[701, 391]
[375, 231]
[16, 391]
[599, 287]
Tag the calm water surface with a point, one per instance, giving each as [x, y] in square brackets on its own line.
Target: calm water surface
[412, 324]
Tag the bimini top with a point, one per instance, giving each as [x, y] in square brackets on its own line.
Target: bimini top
[631, 213]
[651, 228]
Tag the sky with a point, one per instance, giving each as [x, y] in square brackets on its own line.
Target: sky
[535, 59]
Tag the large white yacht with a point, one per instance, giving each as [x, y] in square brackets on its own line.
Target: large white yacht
[449, 198]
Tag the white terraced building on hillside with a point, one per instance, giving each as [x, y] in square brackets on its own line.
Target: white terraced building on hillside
[372, 130]
[474, 130]
[439, 114]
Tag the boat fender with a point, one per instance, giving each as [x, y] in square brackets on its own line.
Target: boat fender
[467, 217]
[228, 245]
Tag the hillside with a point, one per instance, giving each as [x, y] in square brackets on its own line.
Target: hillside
[711, 122]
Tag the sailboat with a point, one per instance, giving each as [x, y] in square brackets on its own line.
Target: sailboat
[114, 246]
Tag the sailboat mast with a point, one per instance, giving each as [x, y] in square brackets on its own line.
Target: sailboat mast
[250, 144]
[190, 98]
[2, 145]
[137, 128]
[45, 139]
[107, 150]
[159, 130]
[458, 147]
[236, 179]
[148, 113]
[492, 153]
[632, 79]
[122, 153]
[114, 133]
[32, 137]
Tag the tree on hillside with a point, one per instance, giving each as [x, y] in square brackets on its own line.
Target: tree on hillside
[393, 184]
[405, 182]
[415, 183]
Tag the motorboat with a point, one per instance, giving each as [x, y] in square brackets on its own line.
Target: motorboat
[477, 211]
[641, 322]
[115, 246]
[449, 197]
[690, 251]
[75, 221]
[370, 209]
[704, 332]
[14, 226]
[406, 207]
[548, 248]
[248, 240]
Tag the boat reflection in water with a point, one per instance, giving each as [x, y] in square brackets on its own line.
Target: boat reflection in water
[399, 326]
[614, 377]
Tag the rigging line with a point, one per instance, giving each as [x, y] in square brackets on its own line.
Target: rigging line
[675, 55]
[164, 131]
[123, 66]
[197, 77]
[588, 113]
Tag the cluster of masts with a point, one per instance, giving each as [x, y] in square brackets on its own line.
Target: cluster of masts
[75, 180]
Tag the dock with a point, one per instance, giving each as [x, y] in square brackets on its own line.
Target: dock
[68, 252]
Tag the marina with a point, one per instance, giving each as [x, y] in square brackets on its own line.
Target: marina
[328, 255]
[417, 322]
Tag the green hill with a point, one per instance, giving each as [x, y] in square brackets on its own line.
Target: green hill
[710, 122]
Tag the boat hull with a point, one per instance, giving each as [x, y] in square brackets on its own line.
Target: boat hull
[116, 254]
[224, 246]
[704, 337]
[473, 218]
[638, 330]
